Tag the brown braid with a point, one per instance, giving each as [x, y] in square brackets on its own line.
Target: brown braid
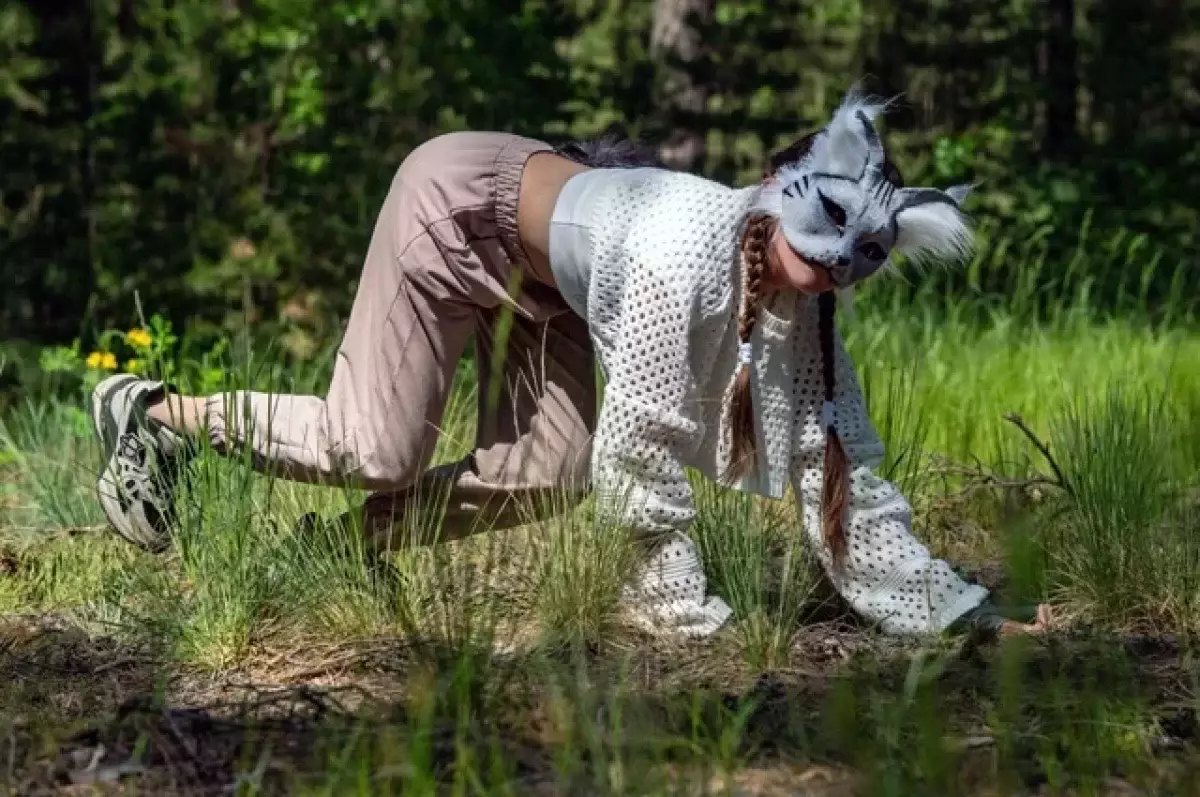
[744, 444]
[836, 483]
[836, 488]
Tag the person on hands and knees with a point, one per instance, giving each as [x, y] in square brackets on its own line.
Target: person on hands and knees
[710, 309]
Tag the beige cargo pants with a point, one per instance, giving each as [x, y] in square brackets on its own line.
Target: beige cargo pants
[444, 262]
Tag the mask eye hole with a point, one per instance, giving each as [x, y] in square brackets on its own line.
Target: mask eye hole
[872, 251]
[835, 212]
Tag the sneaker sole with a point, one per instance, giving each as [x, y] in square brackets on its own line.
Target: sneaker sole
[108, 485]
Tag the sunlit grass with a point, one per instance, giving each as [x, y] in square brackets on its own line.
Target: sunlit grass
[760, 563]
[966, 378]
[934, 389]
[1125, 551]
[1115, 399]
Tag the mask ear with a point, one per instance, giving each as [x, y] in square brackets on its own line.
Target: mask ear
[959, 193]
[929, 226]
[849, 142]
[769, 198]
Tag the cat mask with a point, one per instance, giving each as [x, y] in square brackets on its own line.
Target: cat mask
[839, 211]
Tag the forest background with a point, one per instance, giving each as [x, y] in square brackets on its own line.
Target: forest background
[225, 160]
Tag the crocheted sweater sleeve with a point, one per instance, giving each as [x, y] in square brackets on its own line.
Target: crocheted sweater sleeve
[649, 423]
[659, 308]
[889, 576]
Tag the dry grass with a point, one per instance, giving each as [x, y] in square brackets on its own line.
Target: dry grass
[524, 629]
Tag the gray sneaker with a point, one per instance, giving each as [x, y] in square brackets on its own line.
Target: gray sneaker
[142, 459]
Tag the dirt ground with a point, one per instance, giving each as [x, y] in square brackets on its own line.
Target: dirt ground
[86, 715]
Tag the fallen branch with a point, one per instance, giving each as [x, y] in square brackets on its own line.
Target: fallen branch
[960, 744]
[124, 661]
[982, 477]
[978, 477]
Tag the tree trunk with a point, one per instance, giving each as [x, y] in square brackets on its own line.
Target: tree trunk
[67, 40]
[676, 42]
[1062, 80]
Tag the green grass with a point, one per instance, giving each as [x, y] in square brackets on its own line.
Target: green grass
[966, 379]
[512, 662]
[1126, 549]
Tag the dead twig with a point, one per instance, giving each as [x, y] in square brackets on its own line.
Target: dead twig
[1019, 422]
[124, 661]
[978, 742]
[978, 477]
[59, 533]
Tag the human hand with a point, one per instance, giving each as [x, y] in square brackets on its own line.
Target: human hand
[1043, 622]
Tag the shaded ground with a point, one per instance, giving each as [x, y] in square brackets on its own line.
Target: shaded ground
[85, 713]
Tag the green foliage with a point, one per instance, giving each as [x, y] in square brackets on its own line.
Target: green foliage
[154, 351]
[508, 633]
[226, 161]
[581, 566]
[223, 164]
[51, 444]
[232, 161]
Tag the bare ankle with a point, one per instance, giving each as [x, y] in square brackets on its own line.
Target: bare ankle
[183, 414]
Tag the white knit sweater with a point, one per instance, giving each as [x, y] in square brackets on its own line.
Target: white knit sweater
[663, 295]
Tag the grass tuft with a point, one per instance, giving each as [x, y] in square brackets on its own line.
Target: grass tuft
[580, 566]
[1124, 554]
[757, 559]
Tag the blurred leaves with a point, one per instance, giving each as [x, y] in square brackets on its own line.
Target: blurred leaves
[141, 141]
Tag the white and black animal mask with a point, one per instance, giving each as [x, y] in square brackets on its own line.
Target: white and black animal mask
[838, 209]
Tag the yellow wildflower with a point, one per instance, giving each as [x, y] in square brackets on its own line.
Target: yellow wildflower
[134, 366]
[139, 338]
[102, 360]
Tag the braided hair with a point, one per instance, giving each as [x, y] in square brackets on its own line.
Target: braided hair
[835, 488]
[744, 444]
